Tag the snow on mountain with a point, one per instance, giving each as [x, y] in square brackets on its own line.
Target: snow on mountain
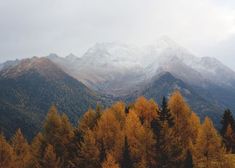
[116, 68]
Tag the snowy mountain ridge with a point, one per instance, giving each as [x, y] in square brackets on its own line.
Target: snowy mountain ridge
[107, 64]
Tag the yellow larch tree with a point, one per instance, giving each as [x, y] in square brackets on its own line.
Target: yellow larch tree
[87, 121]
[50, 159]
[195, 126]
[141, 141]
[146, 109]
[110, 162]
[208, 150]
[37, 150]
[119, 112]
[7, 155]
[22, 150]
[109, 134]
[89, 152]
[58, 132]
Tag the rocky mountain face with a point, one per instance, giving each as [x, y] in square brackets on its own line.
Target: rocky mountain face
[28, 89]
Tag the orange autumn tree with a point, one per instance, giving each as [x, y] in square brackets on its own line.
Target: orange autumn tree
[208, 150]
[146, 109]
[50, 159]
[58, 132]
[141, 141]
[7, 155]
[109, 135]
[139, 135]
[110, 162]
[89, 152]
[182, 124]
[21, 149]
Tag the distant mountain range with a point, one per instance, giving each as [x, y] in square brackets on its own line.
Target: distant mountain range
[108, 72]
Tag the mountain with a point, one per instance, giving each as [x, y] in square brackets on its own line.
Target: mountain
[115, 69]
[28, 89]
[165, 83]
[9, 64]
[120, 70]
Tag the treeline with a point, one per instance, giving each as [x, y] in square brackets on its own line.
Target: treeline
[140, 135]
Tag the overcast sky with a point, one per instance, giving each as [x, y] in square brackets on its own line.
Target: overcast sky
[40, 27]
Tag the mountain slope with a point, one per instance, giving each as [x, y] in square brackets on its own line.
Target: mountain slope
[165, 83]
[28, 89]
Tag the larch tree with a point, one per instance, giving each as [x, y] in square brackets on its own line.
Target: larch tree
[58, 132]
[134, 132]
[119, 112]
[195, 126]
[88, 120]
[141, 141]
[89, 152]
[208, 150]
[52, 126]
[110, 162]
[182, 126]
[50, 159]
[37, 150]
[149, 143]
[109, 134]
[7, 155]
[146, 109]
[22, 150]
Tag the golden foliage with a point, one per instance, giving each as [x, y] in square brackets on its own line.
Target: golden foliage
[50, 159]
[146, 109]
[110, 162]
[109, 134]
[208, 150]
[21, 149]
[89, 152]
[98, 141]
[7, 156]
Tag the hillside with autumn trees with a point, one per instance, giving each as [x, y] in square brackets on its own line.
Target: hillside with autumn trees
[139, 135]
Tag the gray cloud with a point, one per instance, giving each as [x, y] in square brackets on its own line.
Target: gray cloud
[39, 27]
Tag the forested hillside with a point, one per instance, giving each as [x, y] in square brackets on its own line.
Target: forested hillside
[28, 89]
[139, 135]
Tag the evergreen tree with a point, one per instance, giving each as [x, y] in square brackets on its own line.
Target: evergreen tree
[167, 149]
[189, 160]
[229, 139]
[102, 152]
[226, 120]
[165, 114]
[126, 156]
